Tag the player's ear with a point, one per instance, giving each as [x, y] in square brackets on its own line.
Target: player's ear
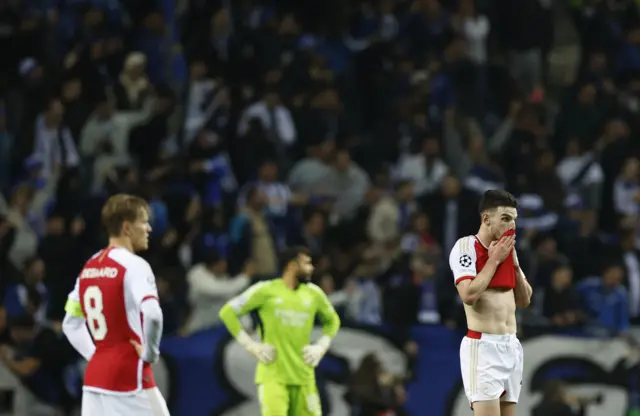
[125, 229]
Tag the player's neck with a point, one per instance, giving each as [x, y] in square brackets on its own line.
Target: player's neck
[121, 242]
[484, 236]
[291, 281]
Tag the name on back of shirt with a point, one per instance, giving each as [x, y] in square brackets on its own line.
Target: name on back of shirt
[91, 273]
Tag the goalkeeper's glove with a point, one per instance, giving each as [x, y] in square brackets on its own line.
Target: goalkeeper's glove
[313, 353]
[265, 353]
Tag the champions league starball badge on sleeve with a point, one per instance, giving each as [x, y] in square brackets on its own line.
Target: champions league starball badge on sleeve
[465, 260]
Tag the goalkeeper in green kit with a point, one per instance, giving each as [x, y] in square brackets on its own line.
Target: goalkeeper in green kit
[286, 356]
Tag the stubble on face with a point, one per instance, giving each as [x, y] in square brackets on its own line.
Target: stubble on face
[502, 220]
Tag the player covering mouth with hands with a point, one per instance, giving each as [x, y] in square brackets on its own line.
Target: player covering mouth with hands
[287, 308]
[491, 285]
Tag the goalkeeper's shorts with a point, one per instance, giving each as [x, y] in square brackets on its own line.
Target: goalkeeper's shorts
[289, 400]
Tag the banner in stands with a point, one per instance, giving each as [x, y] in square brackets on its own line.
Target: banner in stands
[208, 374]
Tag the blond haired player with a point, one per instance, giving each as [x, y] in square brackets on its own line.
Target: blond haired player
[113, 318]
[491, 285]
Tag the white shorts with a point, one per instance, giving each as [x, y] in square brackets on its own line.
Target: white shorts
[491, 367]
[148, 402]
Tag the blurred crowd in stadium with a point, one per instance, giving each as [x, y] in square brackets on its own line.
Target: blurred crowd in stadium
[364, 129]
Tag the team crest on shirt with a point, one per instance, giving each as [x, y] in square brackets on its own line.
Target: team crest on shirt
[151, 280]
[465, 260]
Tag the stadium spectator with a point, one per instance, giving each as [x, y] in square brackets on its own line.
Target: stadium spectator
[452, 210]
[61, 251]
[24, 242]
[391, 214]
[581, 174]
[347, 183]
[340, 299]
[36, 359]
[417, 237]
[30, 297]
[133, 85]
[308, 173]
[275, 119]
[545, 260]
[560, 303]
[626, 253]
[103, 142]
[425, 170]
[54, 144]
[605, 301]
[252, 238]
[626, 190]
[366, 296]
[373, 391]
[198, 101]
[311, 234]
[210, 287]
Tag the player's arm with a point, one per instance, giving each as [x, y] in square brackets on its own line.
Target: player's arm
[74, 326]
[327, 313]
[140, 284]
[523, 290]
[330, 325]
[469, 282]
[249, 300]
[152, 329]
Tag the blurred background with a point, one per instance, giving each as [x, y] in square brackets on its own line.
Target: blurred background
[364, 129]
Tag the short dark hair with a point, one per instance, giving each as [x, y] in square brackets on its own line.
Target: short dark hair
[495, 198]
[290, 254]
[252, 191]
[212, 258]
[609, 264]
[402, 183]
[309, 214]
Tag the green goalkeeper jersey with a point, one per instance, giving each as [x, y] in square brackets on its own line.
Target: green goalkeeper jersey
[287, 318]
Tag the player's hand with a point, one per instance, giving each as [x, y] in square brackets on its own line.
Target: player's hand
[265, 353]
[137, 346]
[312, 354]
[141, 353]
[499, 250]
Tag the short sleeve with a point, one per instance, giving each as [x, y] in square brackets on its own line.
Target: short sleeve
[140, 283]
[73, 307]
[462, 259]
